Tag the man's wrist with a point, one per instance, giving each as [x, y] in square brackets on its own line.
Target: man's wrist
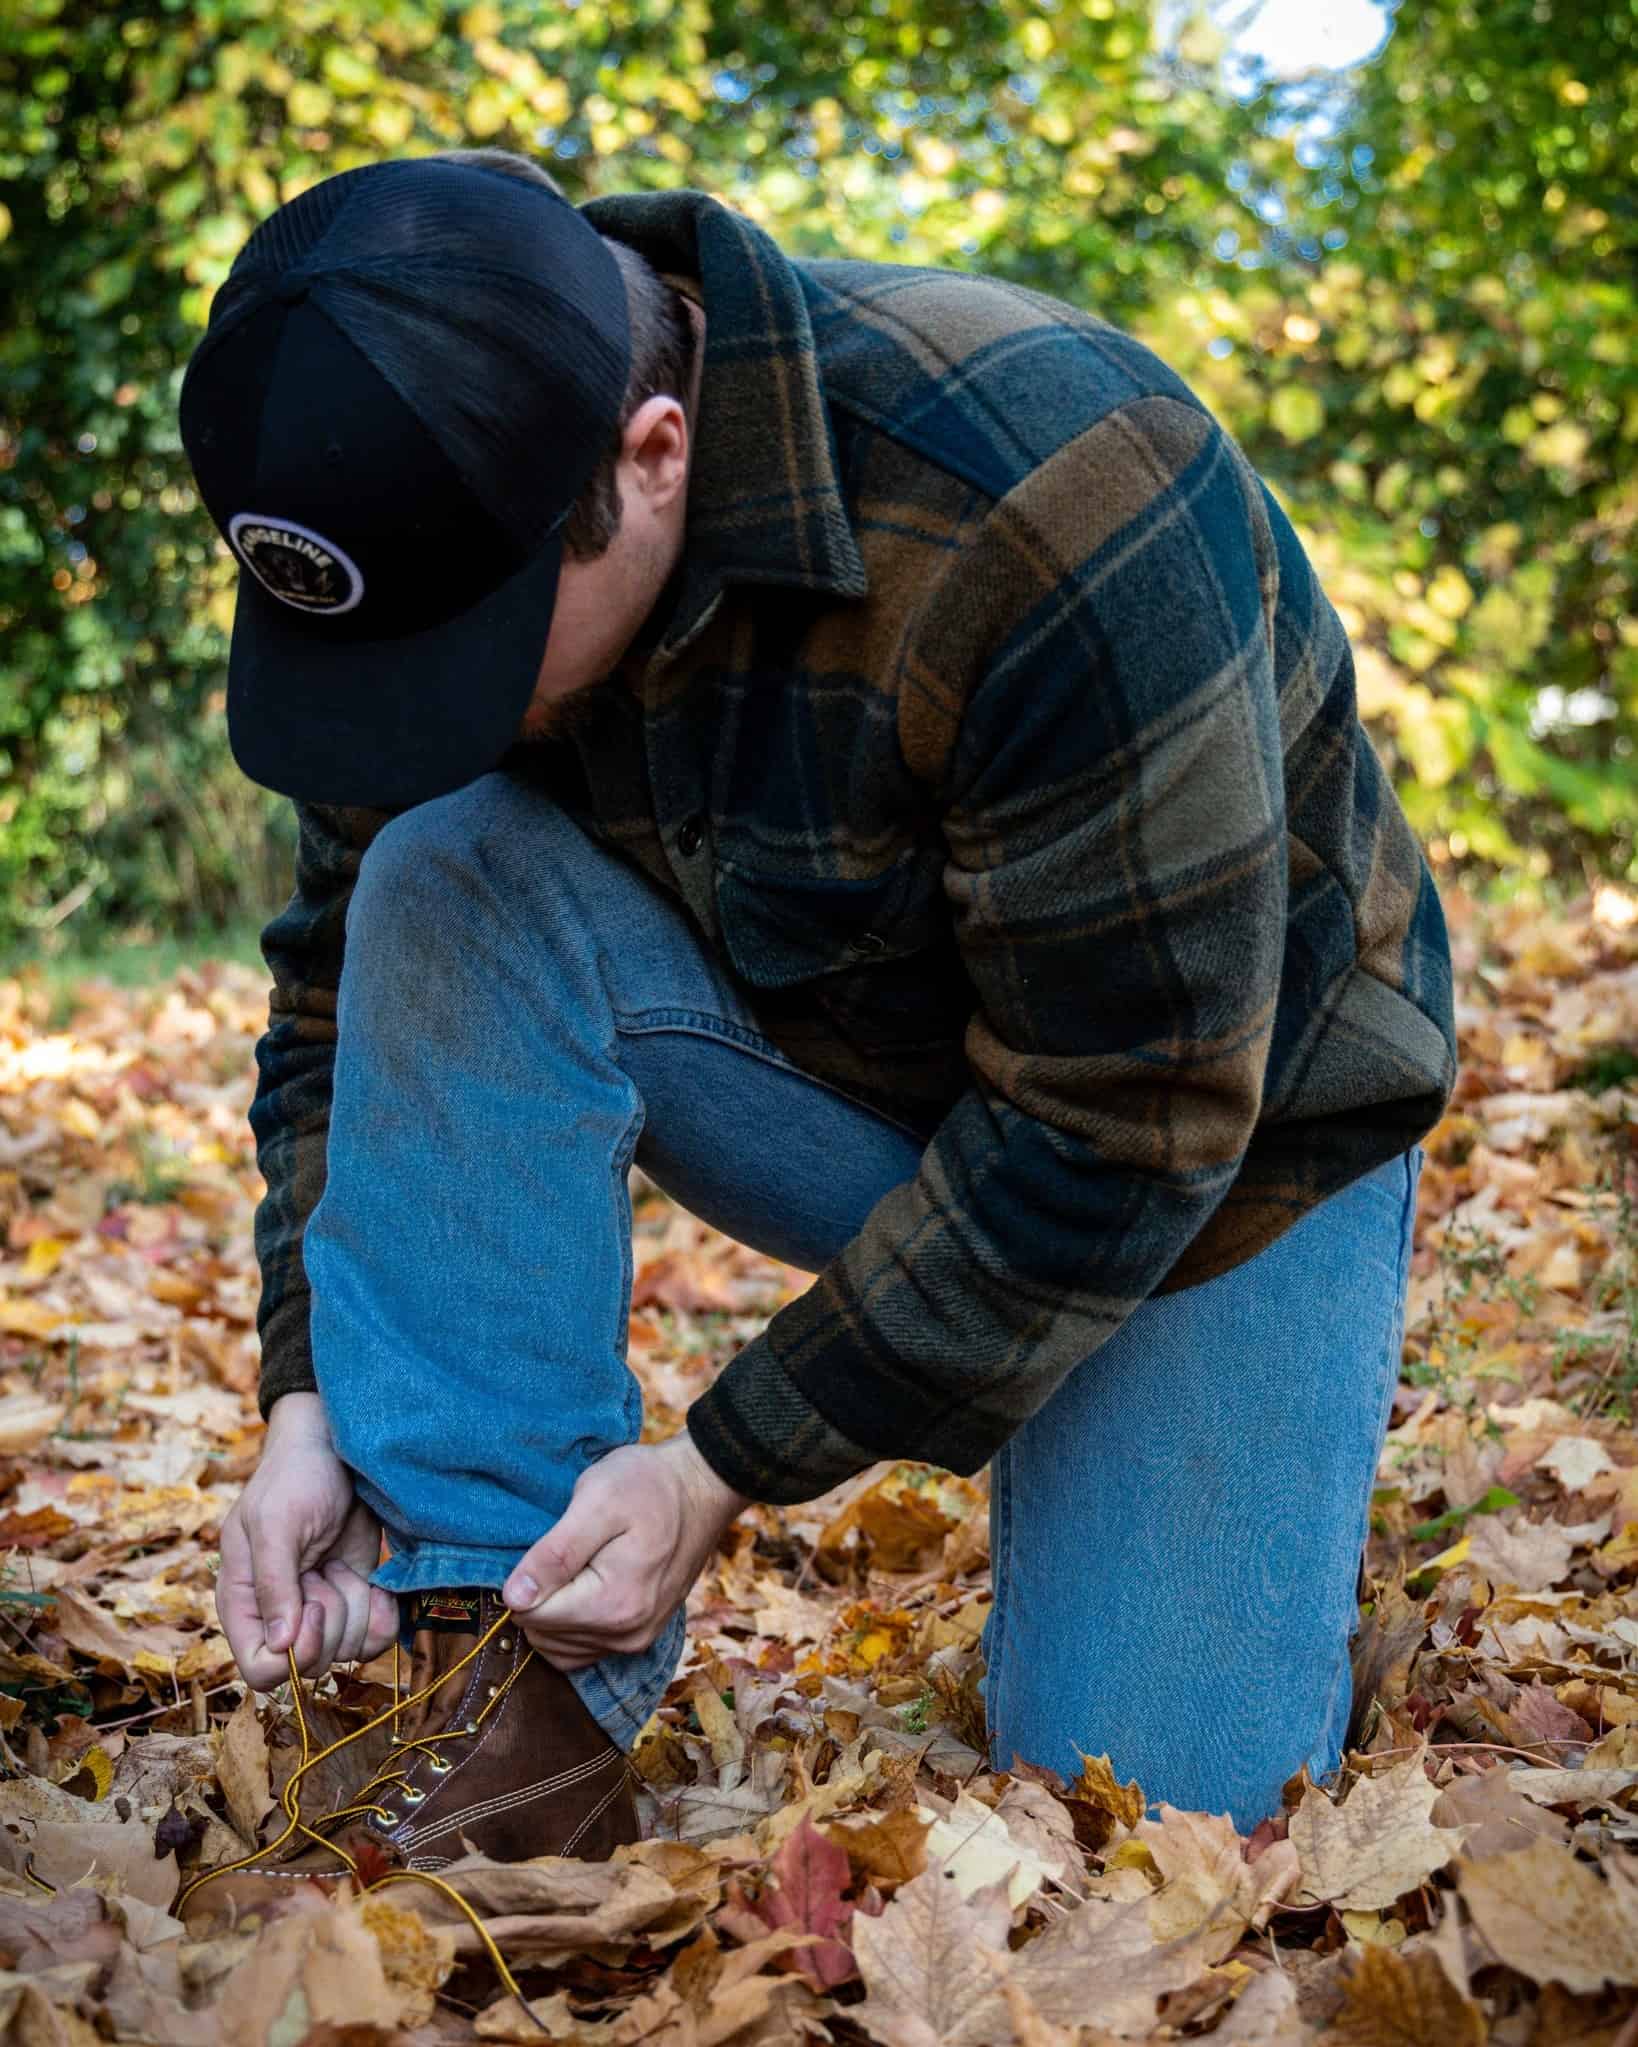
[703, 1480]
[298, 1413]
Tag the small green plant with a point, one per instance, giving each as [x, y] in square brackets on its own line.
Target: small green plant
[161, 1174]
[1614, 1393]
[913, 1717]
[1472, 1273]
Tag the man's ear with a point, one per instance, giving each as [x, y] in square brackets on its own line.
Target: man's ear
[655, 445]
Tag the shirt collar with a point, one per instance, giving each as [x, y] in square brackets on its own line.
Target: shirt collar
[765, 502]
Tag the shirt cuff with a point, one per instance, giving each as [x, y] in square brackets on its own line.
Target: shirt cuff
[287, 1354]
[764, 1438]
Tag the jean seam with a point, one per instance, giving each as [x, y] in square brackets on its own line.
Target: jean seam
[1000, 1571]
[1392, 1362]
[706, 1024]
[620, 1169]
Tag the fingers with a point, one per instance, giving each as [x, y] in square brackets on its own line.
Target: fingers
[383, 1624]
[274, 1565]
[323, 1616]
[240, 1613]
[354, 1594]
[595, 1516]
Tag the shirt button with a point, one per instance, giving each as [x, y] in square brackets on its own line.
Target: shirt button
[690, 836]
[867, 943]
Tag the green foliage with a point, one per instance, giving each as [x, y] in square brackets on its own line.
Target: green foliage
[1458, 392]
[1448, 403]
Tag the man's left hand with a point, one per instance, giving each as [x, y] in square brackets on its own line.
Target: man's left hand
[608, 1576]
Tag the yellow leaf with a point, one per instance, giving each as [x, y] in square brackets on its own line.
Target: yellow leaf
[1448, 1559]
[43, 1255]
[391, 122]
[873, 1647]
[28, 1318]
[98, 1765]
[486, 111]
[79, 1119]
[309, 105]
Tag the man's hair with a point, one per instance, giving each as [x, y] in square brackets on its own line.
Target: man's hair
[662, 355]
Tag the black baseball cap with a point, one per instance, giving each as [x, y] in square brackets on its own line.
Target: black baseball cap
[408, 377]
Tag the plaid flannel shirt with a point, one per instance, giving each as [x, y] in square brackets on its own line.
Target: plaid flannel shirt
[1000, 742]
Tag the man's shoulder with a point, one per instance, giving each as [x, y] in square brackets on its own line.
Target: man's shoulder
[984, 378]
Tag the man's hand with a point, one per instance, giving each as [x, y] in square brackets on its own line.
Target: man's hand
[297, 1551]
[641, 1524]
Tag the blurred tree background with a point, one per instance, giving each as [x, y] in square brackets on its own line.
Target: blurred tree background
[1409, 289]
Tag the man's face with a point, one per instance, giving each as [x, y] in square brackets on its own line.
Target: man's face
[602, 603]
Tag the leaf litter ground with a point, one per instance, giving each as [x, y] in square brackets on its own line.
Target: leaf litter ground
[828, 1855]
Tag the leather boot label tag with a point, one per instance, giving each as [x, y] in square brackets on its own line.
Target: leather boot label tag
[447, 1613]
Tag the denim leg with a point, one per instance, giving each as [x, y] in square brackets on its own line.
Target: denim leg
[520, 1014]
[1176, 1534]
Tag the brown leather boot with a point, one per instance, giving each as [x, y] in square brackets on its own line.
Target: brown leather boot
[500, 1756]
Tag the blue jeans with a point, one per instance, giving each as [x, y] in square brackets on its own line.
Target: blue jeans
[522, 1014]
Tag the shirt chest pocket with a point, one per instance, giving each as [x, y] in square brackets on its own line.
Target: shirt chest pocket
[783, 927]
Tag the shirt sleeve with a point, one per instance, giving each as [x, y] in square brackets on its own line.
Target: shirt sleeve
[295, 1062]
[1116, 870]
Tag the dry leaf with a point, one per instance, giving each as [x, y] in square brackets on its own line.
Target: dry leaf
[1497, 1820]
[549, 1908]
[1553, 1917]
[1392, 2000]
[1374, 1847]
[304, 1969]
[887, 1851]
[1208, 1884]
[973, 1849]
[242, 1770]
[1101, 1965]
[1265, 2015]
[1525, 1554]
[931, 1964]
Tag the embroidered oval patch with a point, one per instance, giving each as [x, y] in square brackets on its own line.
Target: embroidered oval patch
[293, 563]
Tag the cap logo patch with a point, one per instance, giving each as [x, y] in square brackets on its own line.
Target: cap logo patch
[293, 563]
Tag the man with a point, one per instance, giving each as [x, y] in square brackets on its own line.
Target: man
[862, 742]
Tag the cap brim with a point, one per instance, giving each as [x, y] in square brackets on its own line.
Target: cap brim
[385, 723]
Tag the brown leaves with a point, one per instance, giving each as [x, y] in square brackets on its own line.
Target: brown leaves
[816, 1791]
[932, 1963]
[1392, 2000]
[1378, 1844]
[1554, 1918]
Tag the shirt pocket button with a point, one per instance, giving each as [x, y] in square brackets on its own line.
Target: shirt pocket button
[690, 836]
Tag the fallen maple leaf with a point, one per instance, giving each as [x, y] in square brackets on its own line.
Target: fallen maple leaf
[1553, 1917]
[1378, 1844]
[809, 1875]
[1407, 2000]
[1209, 1887]
[931, 1963]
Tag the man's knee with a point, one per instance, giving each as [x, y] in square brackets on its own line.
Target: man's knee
[423, 859]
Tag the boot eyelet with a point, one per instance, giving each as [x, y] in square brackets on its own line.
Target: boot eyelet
[381, 1822]
[439, 1766]
[493, 1689]
[411, 1796]
[472, 1727]
[504, 1644]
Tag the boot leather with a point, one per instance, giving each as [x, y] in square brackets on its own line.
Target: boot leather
[538, 1776]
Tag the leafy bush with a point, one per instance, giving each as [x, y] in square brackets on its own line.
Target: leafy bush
[1419, 322]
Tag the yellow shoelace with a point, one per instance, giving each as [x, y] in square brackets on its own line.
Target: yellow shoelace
[290, 1801]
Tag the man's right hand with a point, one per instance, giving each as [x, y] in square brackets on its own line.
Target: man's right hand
[297, 1552]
